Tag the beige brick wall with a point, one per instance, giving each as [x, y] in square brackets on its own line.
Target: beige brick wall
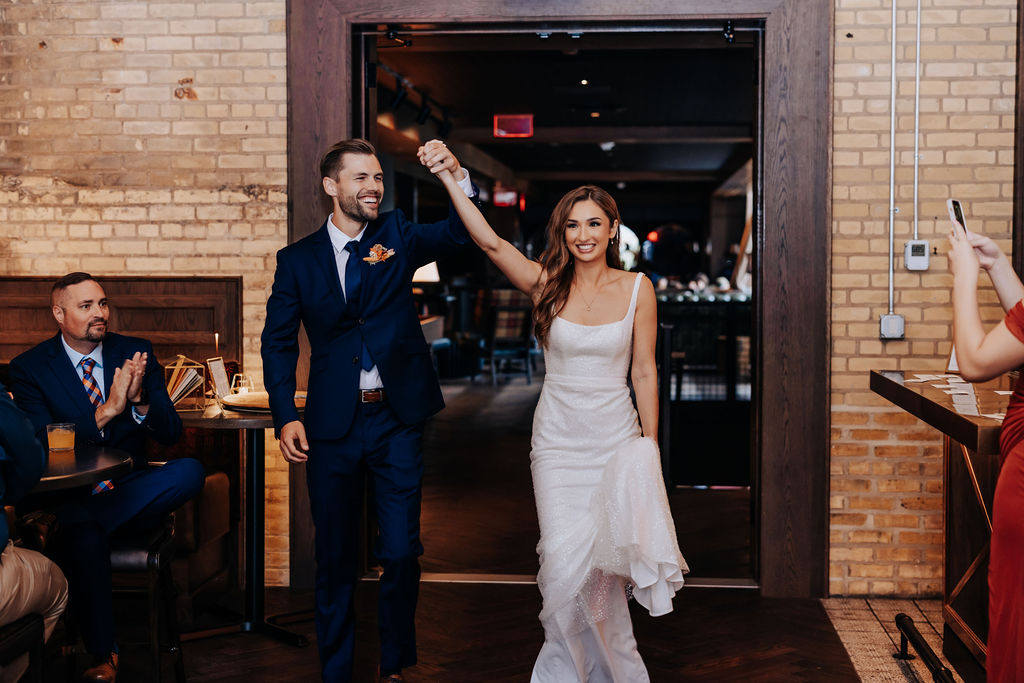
[149, 138]
[886, 497]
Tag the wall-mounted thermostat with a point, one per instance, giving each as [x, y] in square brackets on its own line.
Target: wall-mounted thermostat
[915, 254]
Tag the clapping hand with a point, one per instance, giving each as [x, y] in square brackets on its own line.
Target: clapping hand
[127, 383]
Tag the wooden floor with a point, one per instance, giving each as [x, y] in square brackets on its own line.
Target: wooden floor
[489, 632]
[479, 518]
[479, 515]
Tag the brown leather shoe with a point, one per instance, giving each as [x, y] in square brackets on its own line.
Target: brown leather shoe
[389, 678]
[104, 672]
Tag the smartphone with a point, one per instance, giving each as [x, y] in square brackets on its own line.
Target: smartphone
[956, 213]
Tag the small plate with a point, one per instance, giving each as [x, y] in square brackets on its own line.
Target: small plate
[257, 401]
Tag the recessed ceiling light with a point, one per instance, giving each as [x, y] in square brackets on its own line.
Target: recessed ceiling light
[595, 114]
[584, 81]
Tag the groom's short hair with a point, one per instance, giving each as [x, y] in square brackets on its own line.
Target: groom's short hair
[332, 160]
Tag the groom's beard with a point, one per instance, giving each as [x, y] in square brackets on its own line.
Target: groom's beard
[357, 210]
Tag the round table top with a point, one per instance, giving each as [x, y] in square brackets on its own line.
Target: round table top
[82, 467]
[215, 417]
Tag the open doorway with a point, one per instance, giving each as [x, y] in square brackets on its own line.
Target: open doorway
[668, 122]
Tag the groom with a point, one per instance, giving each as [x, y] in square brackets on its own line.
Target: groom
[371, 386]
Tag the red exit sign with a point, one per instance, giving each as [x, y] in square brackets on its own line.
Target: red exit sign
[513, 125]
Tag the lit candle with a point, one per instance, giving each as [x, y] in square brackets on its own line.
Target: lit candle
[216, 343]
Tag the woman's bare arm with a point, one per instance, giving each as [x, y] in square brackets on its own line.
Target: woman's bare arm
[644, 374]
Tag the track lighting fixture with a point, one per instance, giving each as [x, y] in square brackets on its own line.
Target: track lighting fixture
[424, 114]
[444, 128]
[399, 97]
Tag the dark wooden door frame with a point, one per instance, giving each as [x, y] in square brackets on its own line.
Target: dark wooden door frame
[794, 240]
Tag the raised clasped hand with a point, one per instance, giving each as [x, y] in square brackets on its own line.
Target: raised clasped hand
[437, 158]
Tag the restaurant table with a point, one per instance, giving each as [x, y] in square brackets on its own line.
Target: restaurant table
[83, 467]
[969, 416]
[252, 424]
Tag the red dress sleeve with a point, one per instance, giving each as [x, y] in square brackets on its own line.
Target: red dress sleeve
[1015, 320]
[1013, 424]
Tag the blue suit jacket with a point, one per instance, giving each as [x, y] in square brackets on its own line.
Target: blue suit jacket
[307, 289]
[22, 458]
[47, 387]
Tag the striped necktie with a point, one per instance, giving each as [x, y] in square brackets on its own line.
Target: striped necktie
[96, 397]
[91, 388]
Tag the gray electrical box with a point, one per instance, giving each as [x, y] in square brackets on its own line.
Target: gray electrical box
[891, 326]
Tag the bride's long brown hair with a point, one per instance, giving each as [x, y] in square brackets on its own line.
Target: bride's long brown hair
[557, 261]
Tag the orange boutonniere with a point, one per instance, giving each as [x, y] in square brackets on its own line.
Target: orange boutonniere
[378, 253]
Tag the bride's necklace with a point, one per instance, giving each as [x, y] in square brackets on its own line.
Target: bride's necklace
[588, 304]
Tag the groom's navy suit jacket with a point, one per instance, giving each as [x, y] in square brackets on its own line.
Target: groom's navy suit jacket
[307, 289]
[47, 387]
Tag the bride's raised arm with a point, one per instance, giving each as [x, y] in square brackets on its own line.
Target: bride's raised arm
[521, 271]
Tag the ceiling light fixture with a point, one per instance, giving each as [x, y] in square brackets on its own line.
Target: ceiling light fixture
[584, 81]
[397, 40]
[595, 114]
[444, 127]
[399, 97]
[424, 115]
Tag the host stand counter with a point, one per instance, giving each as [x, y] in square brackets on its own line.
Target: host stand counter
[969, 418]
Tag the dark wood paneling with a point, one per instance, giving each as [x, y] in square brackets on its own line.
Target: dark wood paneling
[793, 272]
[177, 314]
[319, 105]
[794, 278]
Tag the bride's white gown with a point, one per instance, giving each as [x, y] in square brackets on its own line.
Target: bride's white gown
[602, 507]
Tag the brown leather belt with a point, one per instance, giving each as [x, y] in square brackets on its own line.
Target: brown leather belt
[371, 396]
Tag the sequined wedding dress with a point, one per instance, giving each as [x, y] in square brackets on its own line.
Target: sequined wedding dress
[602, 507]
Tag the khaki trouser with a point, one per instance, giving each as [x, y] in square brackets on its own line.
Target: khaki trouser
[29, 582]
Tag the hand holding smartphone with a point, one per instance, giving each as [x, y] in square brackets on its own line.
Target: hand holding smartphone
[956, 214]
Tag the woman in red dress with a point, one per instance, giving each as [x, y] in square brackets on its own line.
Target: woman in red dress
[982, 356]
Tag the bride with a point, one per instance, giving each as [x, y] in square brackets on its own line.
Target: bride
[601, 503]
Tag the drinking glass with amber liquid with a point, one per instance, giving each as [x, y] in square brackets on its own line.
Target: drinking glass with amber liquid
[61, 436]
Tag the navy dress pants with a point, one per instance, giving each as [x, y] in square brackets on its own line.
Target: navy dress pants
[381, 450]
[138, 502]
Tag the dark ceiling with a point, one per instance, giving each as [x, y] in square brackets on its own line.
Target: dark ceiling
[663, 119]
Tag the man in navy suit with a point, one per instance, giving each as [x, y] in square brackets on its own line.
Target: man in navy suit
[112, 388]
[371, 387]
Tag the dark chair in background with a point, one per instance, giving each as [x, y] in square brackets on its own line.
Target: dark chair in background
[440, 345]
[24, 636]
[150, 555]
[202, 564]
[508, 339]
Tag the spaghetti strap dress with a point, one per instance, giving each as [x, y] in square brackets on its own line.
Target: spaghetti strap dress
[602, 507]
